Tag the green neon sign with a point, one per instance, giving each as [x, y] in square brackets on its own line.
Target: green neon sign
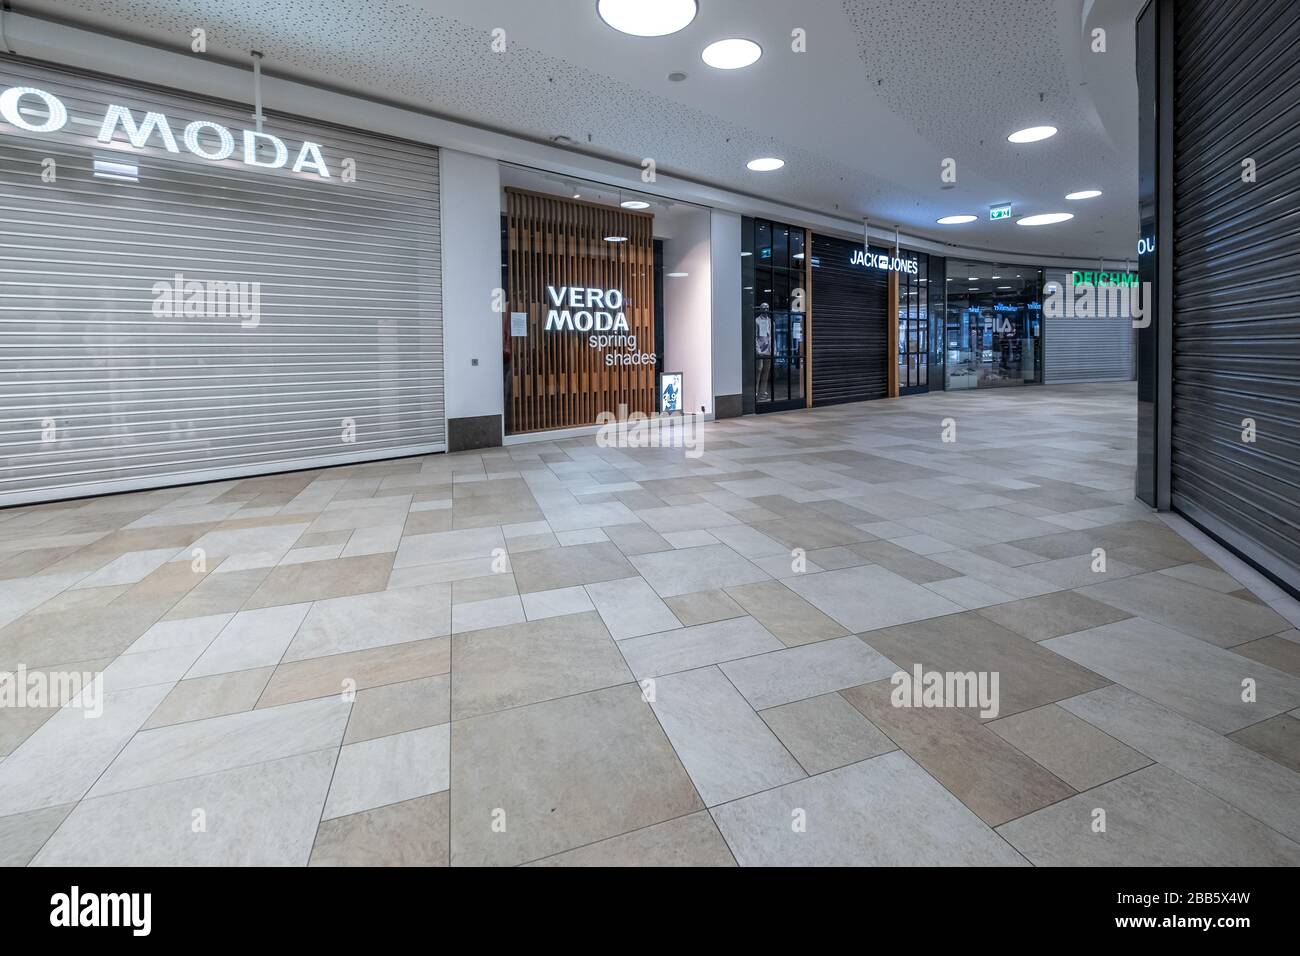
[1104, 278]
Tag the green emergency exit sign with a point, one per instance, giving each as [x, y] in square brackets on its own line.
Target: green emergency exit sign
[1000, 212]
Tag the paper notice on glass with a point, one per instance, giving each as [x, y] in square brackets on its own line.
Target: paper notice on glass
[519, 325]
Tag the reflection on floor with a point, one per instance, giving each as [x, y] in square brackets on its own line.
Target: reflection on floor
[568, 654]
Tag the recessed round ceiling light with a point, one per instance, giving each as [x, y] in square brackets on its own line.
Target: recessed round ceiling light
[1003, 288]
[731, 54]
[1044, 219]
[1033, 134]
[676, 76]
[997, 277]
[955, 220]
[972, 278]
[1085, 194]
[647, 18]
[616, 238]
[677, 275]
[765, 165]
[634, 204]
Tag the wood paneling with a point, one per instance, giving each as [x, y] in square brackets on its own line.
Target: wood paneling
[556, 379]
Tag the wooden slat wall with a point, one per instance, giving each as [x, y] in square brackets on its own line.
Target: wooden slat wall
[556, 379]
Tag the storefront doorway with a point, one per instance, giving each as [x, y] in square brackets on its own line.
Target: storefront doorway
[914, 330]
[773, 313]
[994, 327]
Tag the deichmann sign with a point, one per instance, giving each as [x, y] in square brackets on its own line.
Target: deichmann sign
[1104, 278]
[219, 145]
[874, 260]
[599, 312]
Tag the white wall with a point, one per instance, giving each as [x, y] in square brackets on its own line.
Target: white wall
[726, 303]
[471, 271]
[687, 304]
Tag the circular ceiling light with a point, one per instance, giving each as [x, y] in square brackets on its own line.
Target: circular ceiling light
[616, 238]
[731, 54]
[647, 18]
[955, 220]
[765, 165]
[1044, 219]
[1085, 194]
[1033, 134]
[634, 204]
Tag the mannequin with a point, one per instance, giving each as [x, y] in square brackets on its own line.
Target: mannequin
[763, 349]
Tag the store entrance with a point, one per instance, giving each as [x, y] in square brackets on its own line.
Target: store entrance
[775, 306]
[914, 330]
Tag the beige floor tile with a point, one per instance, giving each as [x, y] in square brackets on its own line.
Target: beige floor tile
[1051, 615]
[524, 663]
[783, 612]
[1277, 738]
[411, 833]
[1029, 675]
[396, 708]
[704, 607]
[561, 774]
[552, 568]
[1073, 749]
[826, 732]
[982, 770]
[1277, 651]
[325, 676]
[201, 697]
[319, 580]
[692, 840]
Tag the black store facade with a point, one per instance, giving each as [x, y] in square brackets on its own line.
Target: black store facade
[816, 314]
[192, 296]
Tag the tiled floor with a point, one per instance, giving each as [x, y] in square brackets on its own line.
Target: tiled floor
[564, 654]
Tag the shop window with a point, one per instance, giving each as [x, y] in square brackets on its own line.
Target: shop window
[773, 305]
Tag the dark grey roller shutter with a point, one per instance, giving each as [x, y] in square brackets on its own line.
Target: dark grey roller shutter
[1100, 349]
[1237, 277]
[105, 387]
[850, 348]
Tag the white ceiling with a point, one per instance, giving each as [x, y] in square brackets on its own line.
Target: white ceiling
[885, 92]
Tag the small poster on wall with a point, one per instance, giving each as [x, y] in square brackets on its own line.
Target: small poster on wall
[519, 325]
[670, 392]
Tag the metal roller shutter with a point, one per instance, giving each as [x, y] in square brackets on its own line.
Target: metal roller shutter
[108, 384]
[850, 344]
[1087, 350]
[1236, 310]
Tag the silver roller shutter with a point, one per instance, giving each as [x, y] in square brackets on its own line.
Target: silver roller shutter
[1087, 350]
[105, 387]
[1236, 247]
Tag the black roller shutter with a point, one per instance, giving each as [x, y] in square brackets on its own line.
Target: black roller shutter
[849, 345]
[1236, 306]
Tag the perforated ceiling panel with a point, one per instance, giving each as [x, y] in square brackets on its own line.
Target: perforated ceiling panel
[885, 91]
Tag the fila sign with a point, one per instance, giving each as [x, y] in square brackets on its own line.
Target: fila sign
[203, 138]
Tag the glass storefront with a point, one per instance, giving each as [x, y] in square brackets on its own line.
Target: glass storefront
[773, 306]
[993, 332]
[914, 329]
